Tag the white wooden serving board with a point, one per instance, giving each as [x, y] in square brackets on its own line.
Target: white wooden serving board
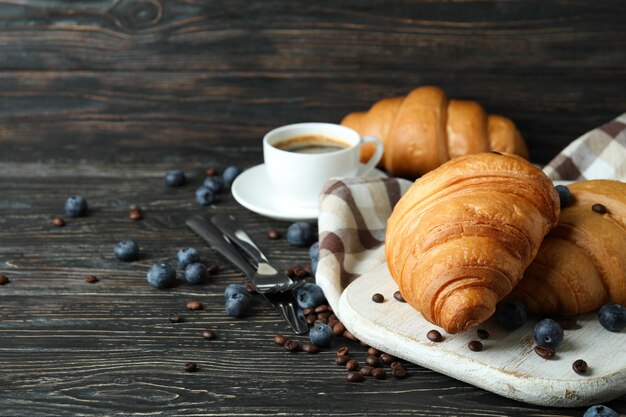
[507, 365]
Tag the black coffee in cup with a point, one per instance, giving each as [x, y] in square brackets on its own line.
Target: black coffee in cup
[311, 144]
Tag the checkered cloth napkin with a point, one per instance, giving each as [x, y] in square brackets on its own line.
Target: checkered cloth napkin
[354, 212]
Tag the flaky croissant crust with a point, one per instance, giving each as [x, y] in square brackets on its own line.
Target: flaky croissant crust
[459, 240]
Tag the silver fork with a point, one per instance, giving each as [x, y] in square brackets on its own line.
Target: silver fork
[268, 279]
[284, 302]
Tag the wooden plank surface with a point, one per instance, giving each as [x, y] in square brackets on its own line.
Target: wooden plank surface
[99, 98]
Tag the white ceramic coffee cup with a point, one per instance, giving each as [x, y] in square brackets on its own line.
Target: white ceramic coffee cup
[300, 177]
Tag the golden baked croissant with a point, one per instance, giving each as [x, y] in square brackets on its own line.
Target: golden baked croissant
[424, 129]
[460, 238]
[581, 264]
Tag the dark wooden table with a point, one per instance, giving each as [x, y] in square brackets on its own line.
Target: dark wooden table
[99, 98]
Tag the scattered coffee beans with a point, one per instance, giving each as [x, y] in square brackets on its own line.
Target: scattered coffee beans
[58, 221]
[90, 279]
[545, 352]
[599, 208]
[352, 365]
[355, 377]
[209, 335]
[482, 334]
[292, 346]
[213, 269]
[344, 350]
[194, 305]
[373, 351]
[309, 347]
[378, 298]
[379, 373]
[321, 309]
[273, 234]
[366, 370]
[210, 172]
[338, 329]
[310, 319]
[387, 359]
[580, 366]
[350, 336]
[398, 371]
[190, 367]
[176, 318]
[135, 214]
[434, 336]
[399, 297]
[4, 279]
[280, 339]
[342, 359]
[475, 346]
[300, 272]
[372, 360]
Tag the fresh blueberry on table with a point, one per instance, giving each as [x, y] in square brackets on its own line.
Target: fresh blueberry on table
[213, 183]
[300, 234]
[612, 317]
[314, 256]
[76, 206]
[187, 256]
[565, 195]
[321, 334]
[174, 178]
[310, 295]
[232, 289]
[161, 276]
[205, 196]
[126, 250]
[548, 333]
[196, 273]
[511, 314]
[237, 304]
[229, 174]
[600, 411]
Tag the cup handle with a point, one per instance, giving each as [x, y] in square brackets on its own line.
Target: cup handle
[375, 159]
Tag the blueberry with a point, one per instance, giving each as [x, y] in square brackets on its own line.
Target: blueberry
[196, 273]
[510, 314]
[126, 250]
[215, 184]
[230, 173]
[600, 411]
[321, 334]
[76, 206]
[314, 256]
[300, 234]
[565, 195]
[174, 178]
[187, 256]
[232, 289]
[548, 333]
[237, 304]
[612, 317]
[310, 295]
[205, 196]
[161, 275]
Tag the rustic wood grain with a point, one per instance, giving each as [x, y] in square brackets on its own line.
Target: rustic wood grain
[99, 98]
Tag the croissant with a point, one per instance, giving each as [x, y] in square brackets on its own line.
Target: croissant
[460, 238]
[582, 262]
[424, 129]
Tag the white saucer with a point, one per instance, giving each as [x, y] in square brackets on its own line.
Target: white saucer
[253, 190]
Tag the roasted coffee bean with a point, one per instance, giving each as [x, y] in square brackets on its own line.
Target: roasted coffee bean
[482, 334]
[308, 310]
[292, 346]
[475, 346]
[387, 359]
[378, 298]
[599, 208]
[290, 272]
[366, 370]
[324, 315]
[135, 214]
[332, 316]
[566, 323]
[90, 279]
[398, 372]
[580, 366]
[250, 288]
[280, 339]
[210, 172]
[398, 296]
[209, 334]
[355, 377]
[344, 350]
[194, 305]
[332, 323]
[308, 269]
[300, 272]
[310, 319]
[175, 318]
[349, 336]
[372, 360]
[309, 347]
[352, 365]
[434, 336]
[342, 359]
[58, 221]
[190, 367]
[395, 363]
[379, 373]
[373, 351]
[320, 320]
[213, 269]
[4, 279]
[339, 329]
[321, 308]
[273, 234]
[545, 352]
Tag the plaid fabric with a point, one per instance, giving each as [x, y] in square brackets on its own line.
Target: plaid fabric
[598, 154]
[354, 212]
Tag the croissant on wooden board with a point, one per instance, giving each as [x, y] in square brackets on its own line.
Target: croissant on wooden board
[460, 238]
[424, 129]
[581, 263]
